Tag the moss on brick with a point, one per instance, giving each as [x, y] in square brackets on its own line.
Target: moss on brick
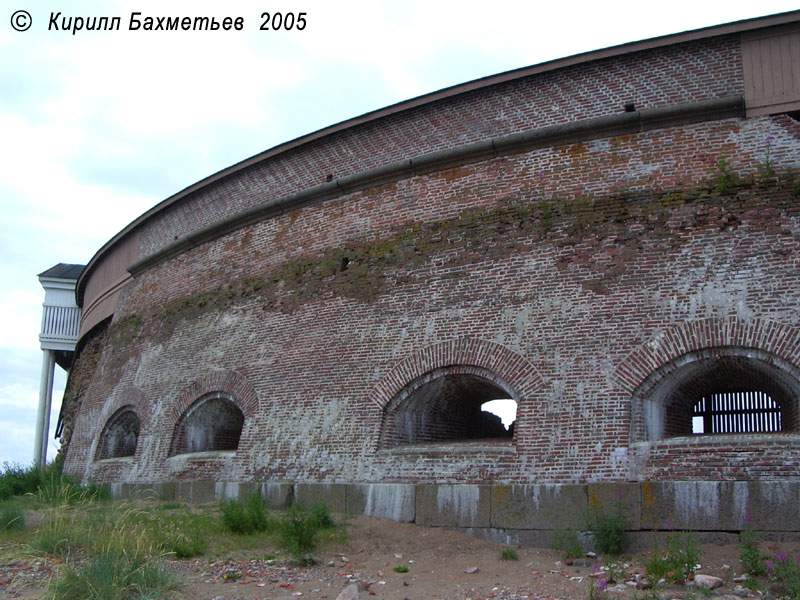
[582, 227]
[126, 329]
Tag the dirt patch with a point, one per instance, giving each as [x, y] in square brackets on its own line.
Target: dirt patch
[441, 564]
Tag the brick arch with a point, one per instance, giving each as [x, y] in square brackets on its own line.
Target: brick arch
[128, 397]
[232, 383]
[700, 356]
[775, 338]
[514, 369]
[114, 420]
[131, 397]
[217, 421]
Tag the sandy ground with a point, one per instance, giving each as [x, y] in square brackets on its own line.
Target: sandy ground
[441, 564]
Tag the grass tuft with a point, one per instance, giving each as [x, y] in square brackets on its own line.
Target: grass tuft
[11, 517]
[508, 554]
[114, 575]
[248, 518]
[299, 530]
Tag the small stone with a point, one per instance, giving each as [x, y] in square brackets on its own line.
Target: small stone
[708, 581]
[582, 562]
[398, 556]
[741, 592]
[568, 562]
[472, 570]
[331, 563]
[350, 593]
[559, 565]
[591, 555]
[643, 584]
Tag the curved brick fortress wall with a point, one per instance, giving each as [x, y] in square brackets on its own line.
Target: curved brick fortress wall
[531, 232]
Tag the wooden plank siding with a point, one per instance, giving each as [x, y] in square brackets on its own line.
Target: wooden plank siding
[771, 63]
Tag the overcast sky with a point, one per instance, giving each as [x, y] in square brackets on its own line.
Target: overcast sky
[97, 127]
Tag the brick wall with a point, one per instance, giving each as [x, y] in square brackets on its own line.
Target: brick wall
[688, 72]
[575, 277]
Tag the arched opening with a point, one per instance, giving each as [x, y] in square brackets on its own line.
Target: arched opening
[213, 423]
[120, 435]
[506, 410]
[737, 412]
[718, 390]
[447, 405]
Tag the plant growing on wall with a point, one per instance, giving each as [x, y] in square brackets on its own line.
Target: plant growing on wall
[609, 526]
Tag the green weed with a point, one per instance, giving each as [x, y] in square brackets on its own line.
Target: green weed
[401, 569]
[16, 481]
[597, 590]
[247, 518]
[677, 561]
[567, 542]
[508, 554]
[726, 180]
[609, 528]
[750, 555]
[299, 529]
[614, 571]
[321, 516]
[784, 576]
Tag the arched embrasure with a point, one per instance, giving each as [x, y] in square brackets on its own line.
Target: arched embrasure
[213, 423]
[120, 435]
[444, 405]
[737, 385]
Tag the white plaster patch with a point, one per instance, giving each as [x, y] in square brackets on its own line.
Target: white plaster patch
[697, 499]
[391, 501]
[741, 494]
[226, 490]
[619, 458]
[655, 342]
[460, 500]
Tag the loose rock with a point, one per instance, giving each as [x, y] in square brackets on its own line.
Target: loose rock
[350, 593]
[708, 581]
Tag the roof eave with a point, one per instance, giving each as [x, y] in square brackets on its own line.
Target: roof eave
[483, 82]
